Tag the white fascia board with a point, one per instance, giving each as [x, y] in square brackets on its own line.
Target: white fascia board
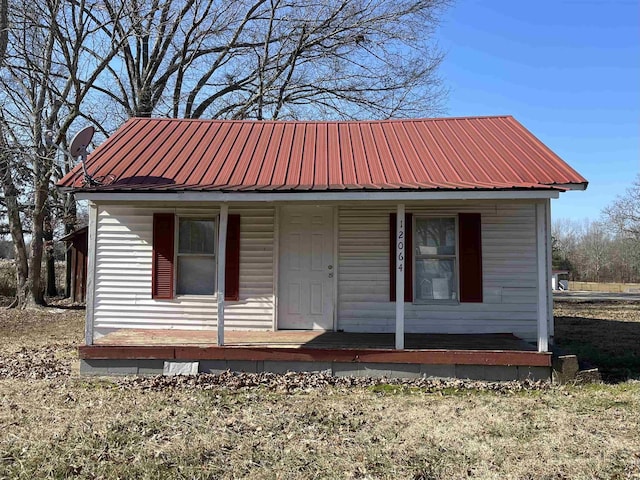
[572, 186]
[314, 196]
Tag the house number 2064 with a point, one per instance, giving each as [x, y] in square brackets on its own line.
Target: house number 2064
[400, 246]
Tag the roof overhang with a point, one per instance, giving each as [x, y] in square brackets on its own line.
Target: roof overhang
[75, 233]
[572, 186]
[106, 197]
[150, 155]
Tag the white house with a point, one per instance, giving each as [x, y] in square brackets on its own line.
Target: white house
[210, 226]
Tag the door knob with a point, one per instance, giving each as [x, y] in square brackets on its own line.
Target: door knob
[330, 267]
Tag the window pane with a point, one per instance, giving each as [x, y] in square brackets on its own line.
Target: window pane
[196, 236]
[436, 279]
[435, 236]
[196, 275]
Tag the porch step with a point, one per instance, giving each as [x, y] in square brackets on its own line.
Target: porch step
[566, 369]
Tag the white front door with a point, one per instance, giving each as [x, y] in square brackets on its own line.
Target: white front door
[306, 269]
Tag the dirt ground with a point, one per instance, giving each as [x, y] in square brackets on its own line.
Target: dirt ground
[56, 424]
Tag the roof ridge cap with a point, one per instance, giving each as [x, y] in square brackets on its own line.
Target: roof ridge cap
[388, 120]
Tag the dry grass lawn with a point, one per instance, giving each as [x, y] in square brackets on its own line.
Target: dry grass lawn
[606, 335]
[94, 429]
[67, 426]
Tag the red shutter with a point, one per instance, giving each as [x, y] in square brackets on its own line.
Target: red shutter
[408, 257]
[470, 244]
[392, 257]
[163, 252]
[232, 260]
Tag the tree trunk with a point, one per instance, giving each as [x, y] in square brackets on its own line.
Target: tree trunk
[67, 269]
[70, 219]
[4, 29]
[51, 289]
[15, 228]
[36, 290]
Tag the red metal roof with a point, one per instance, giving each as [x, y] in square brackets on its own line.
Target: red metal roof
[484, 153]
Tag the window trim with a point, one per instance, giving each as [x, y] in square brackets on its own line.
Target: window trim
[416, 257]
[176, 254]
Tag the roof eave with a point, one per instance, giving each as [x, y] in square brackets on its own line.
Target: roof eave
[572, 186]
[344, 195]
[71, 235]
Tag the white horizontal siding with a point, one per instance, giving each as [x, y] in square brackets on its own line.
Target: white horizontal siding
[254, 310]
[508, 262]
[123, 274]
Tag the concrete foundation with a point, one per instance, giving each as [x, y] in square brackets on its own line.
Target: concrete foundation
[114, 367]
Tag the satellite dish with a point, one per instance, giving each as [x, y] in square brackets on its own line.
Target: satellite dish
[81, 141]
[78, 148]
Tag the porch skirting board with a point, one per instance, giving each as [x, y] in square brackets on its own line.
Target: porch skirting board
[120, 367]
[476, 365]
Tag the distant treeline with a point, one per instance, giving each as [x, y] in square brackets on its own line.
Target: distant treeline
[607, 250]
[592, 253]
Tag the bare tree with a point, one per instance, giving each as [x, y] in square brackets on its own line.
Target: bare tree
[269, 59]
[10, 192]
[565, 235]
[4, 29]
[595, 251]
[103, 61]
[623, 215]
[45, 79]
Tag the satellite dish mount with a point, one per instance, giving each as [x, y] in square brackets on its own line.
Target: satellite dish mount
[78, 148]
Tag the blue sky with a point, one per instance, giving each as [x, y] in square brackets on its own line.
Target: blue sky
[568, 70]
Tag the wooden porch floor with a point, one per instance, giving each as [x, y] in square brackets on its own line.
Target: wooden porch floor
[315, 339]
[316, 346]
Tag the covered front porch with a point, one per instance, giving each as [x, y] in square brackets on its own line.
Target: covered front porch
[476, 356]
[350, 259]
[401, 279]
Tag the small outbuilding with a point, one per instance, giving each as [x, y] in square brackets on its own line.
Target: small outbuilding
[399, 247]
[558, 283]
[77, 245]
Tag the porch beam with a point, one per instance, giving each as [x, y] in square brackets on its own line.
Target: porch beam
[543, 276]
[313, 196]
[222, 249]
[400, 243]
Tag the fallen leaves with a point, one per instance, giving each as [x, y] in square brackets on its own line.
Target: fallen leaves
[45, 363]
[297, 382]
[41, 363]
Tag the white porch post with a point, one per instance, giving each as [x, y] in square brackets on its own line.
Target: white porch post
[550, 319]
[91, 272]
[222, 248]
[543, 277]
[400, 243]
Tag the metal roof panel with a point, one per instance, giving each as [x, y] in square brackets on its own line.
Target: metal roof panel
[243, 155]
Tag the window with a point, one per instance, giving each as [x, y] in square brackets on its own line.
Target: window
[196, 256]
[191, 245]
[435, 259]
